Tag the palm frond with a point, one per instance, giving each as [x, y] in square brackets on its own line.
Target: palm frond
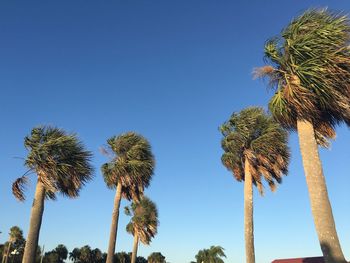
[18, 188]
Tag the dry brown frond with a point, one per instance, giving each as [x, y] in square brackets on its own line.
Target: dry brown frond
[262, 72]
[273, 186]
[18, 188]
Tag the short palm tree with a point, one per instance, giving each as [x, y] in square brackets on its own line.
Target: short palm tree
[15, 235]
[310, 71]
[62, 165]
[122, 257]
[255, 147]
[143, 224]
[156, 257]
[212, 255]
[129, 171]
[74, 255]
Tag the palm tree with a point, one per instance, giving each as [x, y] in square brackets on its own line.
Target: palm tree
[212, 255]
[310, 71]
[122, 257]
[15, 235]
[156, 257]
[62, 252]
[255, 147]
[62, 165]
[130, 171]
[143, 224]
[74, 255]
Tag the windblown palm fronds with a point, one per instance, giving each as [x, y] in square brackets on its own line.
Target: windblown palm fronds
[144, 220]
[132, 166]
[212, 255]
[255, 136]
[60, 161]
[310, 71]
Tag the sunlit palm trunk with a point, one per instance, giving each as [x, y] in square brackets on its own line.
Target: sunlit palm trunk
[35, 224]
[134, 248]
[248, 214]
[320, 205]
[114, 225]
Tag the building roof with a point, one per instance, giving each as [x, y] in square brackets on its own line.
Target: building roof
[300, 260]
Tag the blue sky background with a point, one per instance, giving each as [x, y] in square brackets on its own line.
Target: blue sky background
[173, 71]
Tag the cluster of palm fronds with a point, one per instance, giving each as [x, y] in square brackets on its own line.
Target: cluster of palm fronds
[132, 165]
[144, 221]
[253, 136]
[60, 161]
[213, 254]
[311, 72]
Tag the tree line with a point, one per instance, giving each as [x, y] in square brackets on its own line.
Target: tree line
[12, 252]
[309, 71]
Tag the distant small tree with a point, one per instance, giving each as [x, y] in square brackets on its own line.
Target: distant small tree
[122, 257]
[143, 224]
[156, 257]
[15, 244]
[212, 255]
[87, 255]
[74, 255]
[141, 259]
[57, 255]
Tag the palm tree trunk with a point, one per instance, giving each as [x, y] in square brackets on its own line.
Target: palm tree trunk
[320, 205]
[114, 225]
[6, 254]
[134, 248]
[248, 213]
[35, 224]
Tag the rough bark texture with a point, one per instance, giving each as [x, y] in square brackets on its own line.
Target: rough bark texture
[248, 214]
[320, 205]
[35, 224]
[114, 225]
[134, 248]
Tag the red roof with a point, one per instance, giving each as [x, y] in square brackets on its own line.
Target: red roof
[300, 260]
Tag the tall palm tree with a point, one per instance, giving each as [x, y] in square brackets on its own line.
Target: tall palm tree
[212, 255]
[143, 224]
[156, 257]
[61, 164]
[255, 147]
[310, 71]
[129, 171]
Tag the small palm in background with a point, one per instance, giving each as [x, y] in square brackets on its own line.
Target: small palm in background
[16, 243]
[156, 257]
[212, 255]
[143, 224]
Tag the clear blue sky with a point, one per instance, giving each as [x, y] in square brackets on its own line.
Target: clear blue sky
[172, 71]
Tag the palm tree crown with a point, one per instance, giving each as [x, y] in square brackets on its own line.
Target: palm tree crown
[212, 255]
[255, 136]
[60, 161]
[144, 220]
[132, 166]
[310, 70]
[156, 257]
